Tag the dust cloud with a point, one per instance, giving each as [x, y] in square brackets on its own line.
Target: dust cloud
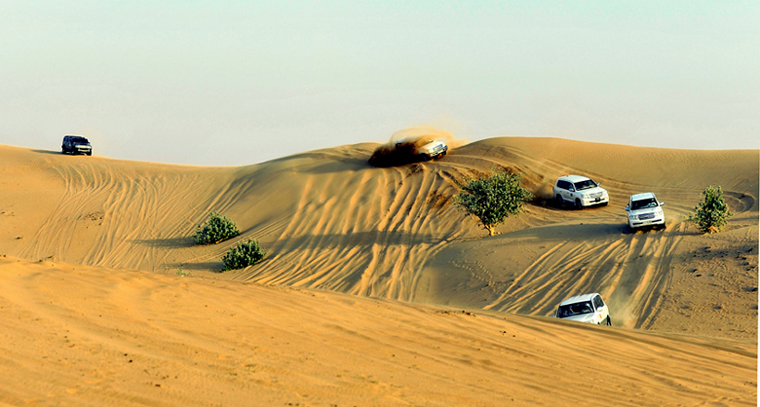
[403, 146]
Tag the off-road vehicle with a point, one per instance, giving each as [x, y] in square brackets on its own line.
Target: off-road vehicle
[644, 210]
[579, 191]
[73, 144]
[406, 151]
[589, 308]
[424, 148]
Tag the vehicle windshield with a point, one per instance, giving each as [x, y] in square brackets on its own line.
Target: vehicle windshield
[644, 203]
[578, 308]
[79, 140]
[587, 184]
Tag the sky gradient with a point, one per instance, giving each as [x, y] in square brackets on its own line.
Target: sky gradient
[234, 83]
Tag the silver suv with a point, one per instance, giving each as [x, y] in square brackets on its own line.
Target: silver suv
[73, 144]
[579, 191]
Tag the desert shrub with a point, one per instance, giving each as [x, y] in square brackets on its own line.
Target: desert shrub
[216, 229]
[492, 198]
[712, 212]
[242, 255]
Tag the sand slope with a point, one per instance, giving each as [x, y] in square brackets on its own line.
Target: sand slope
[331, 222]
[85, 336]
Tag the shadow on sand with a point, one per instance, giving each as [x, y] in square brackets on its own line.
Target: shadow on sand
[173, 243]
[56, 152]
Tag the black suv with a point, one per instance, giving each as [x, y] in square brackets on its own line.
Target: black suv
[76, 145]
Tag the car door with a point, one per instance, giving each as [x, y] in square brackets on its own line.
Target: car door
[601, 308]
[557, 190]
[568, 192]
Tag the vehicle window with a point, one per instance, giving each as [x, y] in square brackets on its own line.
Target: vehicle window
[598, 302]
[575, 309]
[644, 203]
[587, 184]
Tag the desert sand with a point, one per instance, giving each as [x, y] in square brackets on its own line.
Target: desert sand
[377, 291]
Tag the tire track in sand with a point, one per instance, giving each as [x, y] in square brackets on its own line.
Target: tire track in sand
[118, 217]
[366, 234]
[630, 271]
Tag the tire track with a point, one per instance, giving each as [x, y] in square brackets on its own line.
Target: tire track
[115, 217]
[359, 241]
[630, 271]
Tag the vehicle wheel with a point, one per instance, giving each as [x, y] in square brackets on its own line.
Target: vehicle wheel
[560, 202]
[609, 321]
[63, 151]
[578, 204]
[605, 203]
[89, 153]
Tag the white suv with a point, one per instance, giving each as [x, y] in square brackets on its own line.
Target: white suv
[425, 148]
[645, 210]
[589, 308]
[580, 191]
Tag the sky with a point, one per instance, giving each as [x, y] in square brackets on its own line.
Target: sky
[241, 82]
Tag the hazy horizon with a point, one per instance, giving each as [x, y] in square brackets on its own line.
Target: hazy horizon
[207, 84]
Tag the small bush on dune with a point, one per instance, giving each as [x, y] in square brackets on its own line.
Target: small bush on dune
[492, 198]
[216, 229]
[244, 254]
[712, 212]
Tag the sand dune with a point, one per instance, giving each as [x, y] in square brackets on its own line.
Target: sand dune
[78, 335]
[117, 234]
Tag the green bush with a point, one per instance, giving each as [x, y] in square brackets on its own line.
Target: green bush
[492, 198]
[712, 212]
[244, 254]
[216, 229]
